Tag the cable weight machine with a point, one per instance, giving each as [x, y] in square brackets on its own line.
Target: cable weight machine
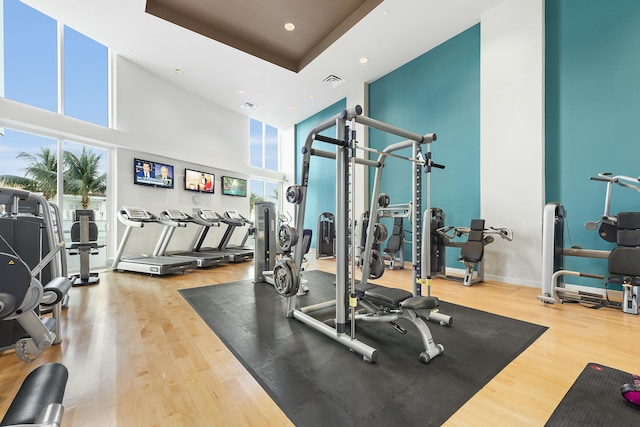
[362, 300]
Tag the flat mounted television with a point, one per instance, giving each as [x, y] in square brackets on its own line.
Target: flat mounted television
[154, 174]
[234, 186]
[199, 181]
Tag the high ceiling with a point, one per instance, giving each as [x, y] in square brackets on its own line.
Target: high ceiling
[258, 28]
[237, 52]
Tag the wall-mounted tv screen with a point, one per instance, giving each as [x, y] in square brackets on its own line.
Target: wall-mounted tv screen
[234, 186]
[151, 173]
[198, 181]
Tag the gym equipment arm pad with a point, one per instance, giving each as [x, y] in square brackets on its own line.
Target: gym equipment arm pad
[43, 386]
[55, 291]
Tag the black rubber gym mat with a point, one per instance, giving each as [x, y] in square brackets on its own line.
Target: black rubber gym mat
[594, 399]
[318, 382]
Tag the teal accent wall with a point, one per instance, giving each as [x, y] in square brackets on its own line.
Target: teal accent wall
[592, 109]
[436, 92]
[321, 192]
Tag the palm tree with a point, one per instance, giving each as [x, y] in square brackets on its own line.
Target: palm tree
[82, 175]
[253, 199]
[41, 173]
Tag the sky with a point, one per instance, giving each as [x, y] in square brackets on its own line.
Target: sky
[31, 76]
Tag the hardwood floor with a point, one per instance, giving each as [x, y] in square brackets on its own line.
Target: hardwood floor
[138, 355]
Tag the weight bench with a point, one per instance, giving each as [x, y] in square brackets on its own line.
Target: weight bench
[384, 304]
[39, 399]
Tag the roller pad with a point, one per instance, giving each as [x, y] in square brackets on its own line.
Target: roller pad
[43, 386]
[60, 287]
[420, 303]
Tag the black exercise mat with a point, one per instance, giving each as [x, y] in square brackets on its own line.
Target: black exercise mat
[595, 400]
[318, 382]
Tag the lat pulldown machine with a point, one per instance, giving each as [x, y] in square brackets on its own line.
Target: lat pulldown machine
[376, 303]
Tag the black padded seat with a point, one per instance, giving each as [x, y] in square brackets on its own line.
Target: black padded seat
[388, 297]
[624, 259]
[420, 303]
[361, 288]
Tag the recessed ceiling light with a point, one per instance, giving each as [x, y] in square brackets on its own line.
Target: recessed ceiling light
[177, 71]
[241, 91]
[293, 107]
[364, 60]
[289, 26]
[310, 95]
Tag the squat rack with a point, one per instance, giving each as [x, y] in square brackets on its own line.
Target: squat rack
[346, 159]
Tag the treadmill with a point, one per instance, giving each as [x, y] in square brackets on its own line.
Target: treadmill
[214, 219]
[134, 217]
[234, 220]
[203, 259]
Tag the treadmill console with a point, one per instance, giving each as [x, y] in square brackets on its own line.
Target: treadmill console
[233, 215]
[176, 215]
[209, 215]
[137, 214]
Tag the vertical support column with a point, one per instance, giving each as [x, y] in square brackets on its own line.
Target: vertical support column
[342, 242]
[416, 222]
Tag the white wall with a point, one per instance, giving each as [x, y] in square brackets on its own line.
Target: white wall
[165, 119]
[184, 130]
[512, 137]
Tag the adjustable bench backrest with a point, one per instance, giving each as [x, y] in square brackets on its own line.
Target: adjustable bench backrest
[473, 249]
[624, 259]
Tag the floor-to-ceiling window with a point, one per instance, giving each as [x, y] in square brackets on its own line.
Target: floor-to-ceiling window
[264, 153]
[52, 67]
[85, 78]
[30, 56]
